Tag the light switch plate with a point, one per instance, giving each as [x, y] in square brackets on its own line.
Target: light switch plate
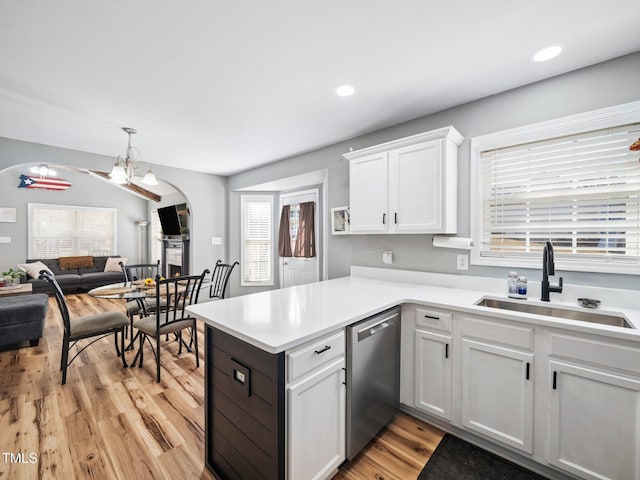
[387, 257]
[5, 239]
[463, 262]
[216, 241]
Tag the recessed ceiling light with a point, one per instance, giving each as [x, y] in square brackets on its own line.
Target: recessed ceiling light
[547, 53]
[345, 90]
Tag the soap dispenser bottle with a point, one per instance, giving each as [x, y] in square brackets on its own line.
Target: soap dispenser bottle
[522, 287]
[512, 284]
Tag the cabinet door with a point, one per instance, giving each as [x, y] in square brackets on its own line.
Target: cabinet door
[368, 184]
[433, 373]
[416, 188]
[497, 393]
[594, 422]
[316, 430]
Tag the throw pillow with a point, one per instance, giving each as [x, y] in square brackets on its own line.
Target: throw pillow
[113, 264]
[33, 269]
[72, 263]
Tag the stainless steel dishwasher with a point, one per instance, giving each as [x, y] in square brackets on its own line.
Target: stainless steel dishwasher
[373, 377]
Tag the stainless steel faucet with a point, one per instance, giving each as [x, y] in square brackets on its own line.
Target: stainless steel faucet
[548, 268]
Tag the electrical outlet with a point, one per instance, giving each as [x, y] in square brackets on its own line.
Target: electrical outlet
[216, 241]
[463, 262]
[5, 239]
[387, 257]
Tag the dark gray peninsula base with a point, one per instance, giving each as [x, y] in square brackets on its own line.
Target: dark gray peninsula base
[244, 409]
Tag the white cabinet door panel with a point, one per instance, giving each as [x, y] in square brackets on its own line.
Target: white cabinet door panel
[594, 422]
[415, 188]
[316, 430]
[368, 183]
[497, 393]
[433, 373]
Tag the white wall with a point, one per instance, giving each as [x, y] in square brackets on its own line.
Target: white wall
[603, 85]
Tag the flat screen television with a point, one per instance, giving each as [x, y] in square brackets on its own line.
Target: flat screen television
[169, 220]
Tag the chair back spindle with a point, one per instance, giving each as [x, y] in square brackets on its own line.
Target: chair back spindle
[220, 279]
[140, 271]
[62, 304]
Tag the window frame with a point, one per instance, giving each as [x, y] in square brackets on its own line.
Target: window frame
[570, 125]
[261, 198]
[32, 205]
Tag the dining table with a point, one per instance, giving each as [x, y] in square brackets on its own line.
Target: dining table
[121, 290]
[135, 290]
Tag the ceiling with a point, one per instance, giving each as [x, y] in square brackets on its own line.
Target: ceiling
[223, 86]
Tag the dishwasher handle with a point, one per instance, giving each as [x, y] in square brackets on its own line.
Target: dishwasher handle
[377, 327]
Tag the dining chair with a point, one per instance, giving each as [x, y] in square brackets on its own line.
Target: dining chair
[89, 326]
[172, 296]
[220, 279]
[140, 271]
[134, 272]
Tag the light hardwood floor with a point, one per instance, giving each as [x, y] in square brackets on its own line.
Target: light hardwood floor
[113, 423]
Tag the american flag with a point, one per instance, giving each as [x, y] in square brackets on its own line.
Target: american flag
[44, 182]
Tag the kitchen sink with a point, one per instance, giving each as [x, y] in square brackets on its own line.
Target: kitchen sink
[556, 312]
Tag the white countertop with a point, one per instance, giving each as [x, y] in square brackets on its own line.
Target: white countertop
[278, 320]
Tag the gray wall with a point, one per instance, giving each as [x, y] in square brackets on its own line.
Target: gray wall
[603, 85]
[206, 195]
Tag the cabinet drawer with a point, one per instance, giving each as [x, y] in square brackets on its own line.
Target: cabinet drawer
[314, 355]
[594, 351]
[434, 319]
[517, 336]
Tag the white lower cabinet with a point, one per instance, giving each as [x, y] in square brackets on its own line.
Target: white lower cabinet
[497, 393]
[594, 422]
[316, 411]
[433, 373]
[478, 373]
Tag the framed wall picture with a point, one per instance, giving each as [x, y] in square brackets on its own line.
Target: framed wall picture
[7, 214]
[340, 221]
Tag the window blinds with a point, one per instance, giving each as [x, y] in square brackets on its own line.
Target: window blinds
[63, 230]
[257, 256]
[581, 192]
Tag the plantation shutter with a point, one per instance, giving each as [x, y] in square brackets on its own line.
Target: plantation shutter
[257, 257]
[581, 192]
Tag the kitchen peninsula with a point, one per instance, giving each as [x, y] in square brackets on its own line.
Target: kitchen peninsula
[264, 375]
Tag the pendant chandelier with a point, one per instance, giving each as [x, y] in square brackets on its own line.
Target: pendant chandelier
[125, 167]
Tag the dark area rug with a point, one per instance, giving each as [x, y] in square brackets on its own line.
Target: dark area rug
[455, 459]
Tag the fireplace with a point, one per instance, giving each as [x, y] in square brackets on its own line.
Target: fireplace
[175, 257]
[173, 270]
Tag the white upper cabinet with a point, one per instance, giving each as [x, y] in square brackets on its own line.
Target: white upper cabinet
[407, 185]
[369, 177]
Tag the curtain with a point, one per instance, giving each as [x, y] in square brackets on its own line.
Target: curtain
[305, 240]
[284, 235]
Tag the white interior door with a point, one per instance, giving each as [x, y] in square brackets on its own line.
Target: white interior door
[298, 271]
